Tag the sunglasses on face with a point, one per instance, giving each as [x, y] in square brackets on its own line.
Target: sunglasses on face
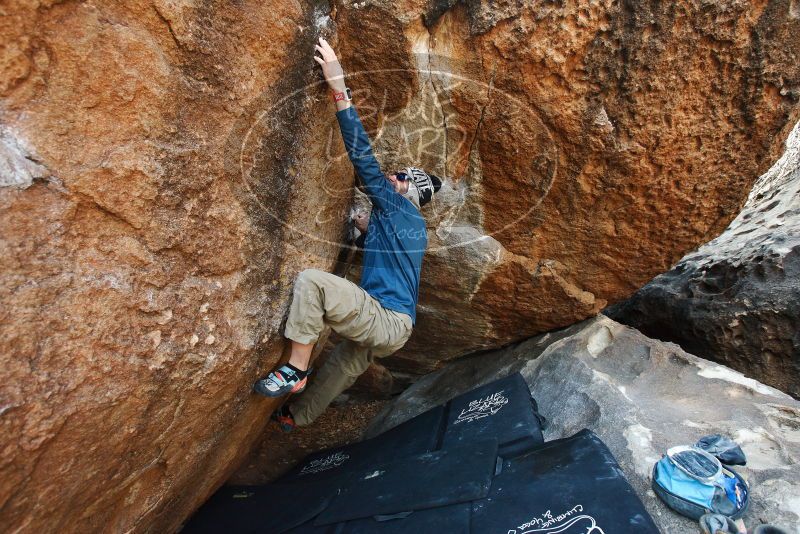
[401, 177]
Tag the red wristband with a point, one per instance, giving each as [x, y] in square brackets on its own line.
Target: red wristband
[342, 95]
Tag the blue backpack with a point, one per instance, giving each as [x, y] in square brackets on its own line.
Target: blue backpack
[694, 482]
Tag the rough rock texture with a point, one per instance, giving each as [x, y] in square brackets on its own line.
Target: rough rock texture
[150, 201]
[641, 396]
[587, 144]
[736, 299]
[167, 167]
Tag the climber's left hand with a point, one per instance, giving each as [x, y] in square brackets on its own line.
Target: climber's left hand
[331, 67]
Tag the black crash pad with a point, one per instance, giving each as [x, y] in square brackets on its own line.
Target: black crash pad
[273, 508]
[570, 486]
[439, 478]
[415, 436]
[502, 409]
[290, 504]
[308, 528]
[453, 519]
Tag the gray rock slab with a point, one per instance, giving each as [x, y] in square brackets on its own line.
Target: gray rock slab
[736, 299]
[641, 396]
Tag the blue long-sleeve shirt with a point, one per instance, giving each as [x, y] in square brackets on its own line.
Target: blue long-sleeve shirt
[396, 235]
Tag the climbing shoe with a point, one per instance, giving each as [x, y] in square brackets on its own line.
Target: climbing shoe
[284, 380]
[284, 418]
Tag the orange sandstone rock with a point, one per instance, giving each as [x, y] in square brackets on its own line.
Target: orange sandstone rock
[155, 172]
[168, 168]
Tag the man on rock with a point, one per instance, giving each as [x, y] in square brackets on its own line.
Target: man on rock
[375, 319]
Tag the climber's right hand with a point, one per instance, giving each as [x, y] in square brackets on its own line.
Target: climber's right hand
[361, 220]
[331, 68]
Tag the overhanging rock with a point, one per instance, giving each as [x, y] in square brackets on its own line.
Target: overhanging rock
[640, 396]
[168, 167]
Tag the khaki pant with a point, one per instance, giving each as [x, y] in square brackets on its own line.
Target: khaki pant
[370, 331]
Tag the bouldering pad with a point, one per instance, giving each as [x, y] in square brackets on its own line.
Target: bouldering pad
[274, 508]
[449, 476]
[502, 409]
[453, 519]
[571, 485]
[415, 436]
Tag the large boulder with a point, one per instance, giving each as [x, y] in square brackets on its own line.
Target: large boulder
[154, 178]
[641, 396]
[736, 299]
[167, 167]
[587, 146]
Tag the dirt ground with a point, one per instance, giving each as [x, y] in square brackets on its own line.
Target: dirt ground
[277, 451]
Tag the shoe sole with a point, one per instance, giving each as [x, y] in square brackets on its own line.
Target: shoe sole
[297, 388]
[300, 386]
[285, 427]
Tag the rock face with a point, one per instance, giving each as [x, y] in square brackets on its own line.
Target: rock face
[641, 396]
[737, 298]
[166, 168]
[151, 205]
[585, 145]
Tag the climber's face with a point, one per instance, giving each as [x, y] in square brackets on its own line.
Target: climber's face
[400, 186]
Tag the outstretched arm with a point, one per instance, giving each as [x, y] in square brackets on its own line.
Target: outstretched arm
[356, 140]
[332, 70]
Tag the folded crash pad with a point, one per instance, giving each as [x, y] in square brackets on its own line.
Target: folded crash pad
[458, 474]
[503, 409]
[415, 436]
[453, 519]
[307, 528]
[274, 508]
[291, 503]
[572, 485]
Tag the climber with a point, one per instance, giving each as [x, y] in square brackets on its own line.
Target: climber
[374, 318]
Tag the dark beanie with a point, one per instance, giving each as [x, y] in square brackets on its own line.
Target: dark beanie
[427, 184]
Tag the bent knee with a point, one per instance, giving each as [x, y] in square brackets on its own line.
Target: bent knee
[309, 277]
[310, 274]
